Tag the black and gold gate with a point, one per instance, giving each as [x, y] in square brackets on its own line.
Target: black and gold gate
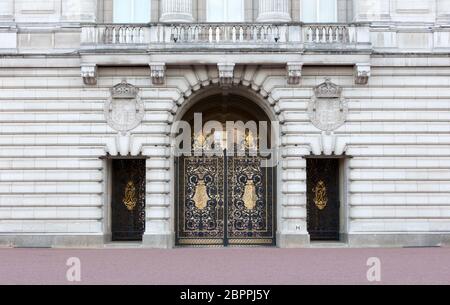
[225, 200]
[323, 199]
[128, 199]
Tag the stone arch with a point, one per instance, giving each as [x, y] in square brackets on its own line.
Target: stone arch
[261, 80]
[214, 89]
[240, 90]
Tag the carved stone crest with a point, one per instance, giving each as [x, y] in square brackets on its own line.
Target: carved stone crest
[327, 109]
[124, 110]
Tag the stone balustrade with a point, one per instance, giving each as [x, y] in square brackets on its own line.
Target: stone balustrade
[225, 35]
[115, 34]
[329, 33]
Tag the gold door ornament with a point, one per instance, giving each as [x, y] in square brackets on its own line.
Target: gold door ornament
[249, 196]
[250, 141]
[201, 195]
[320, 195]
[129, 199]
[199, 141]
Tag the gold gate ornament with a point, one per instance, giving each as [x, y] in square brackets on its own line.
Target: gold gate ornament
[320, 195]
[129, 200]
[249, 196]
[201, 196]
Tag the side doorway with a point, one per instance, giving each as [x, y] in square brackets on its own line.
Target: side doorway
[323, 199]
[128, 199]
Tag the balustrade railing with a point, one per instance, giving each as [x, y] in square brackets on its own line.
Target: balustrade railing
[220, 33]
[328, 33]
[114, 34]
[209, 34]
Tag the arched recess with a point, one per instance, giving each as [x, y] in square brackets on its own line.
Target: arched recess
[265, 87]
[230, 104]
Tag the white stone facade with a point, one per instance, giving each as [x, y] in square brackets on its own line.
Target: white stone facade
[60, 59]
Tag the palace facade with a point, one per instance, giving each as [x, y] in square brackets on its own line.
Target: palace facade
[356, 94]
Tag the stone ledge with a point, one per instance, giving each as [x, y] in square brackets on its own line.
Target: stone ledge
[166, 241]
[52, 241]
[398, 240]
[158, 241]
[292, 240]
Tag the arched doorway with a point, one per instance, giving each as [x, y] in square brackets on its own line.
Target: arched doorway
[227, 198]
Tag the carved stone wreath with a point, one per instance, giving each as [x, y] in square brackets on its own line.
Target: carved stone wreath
[327, 109]
[124, 110]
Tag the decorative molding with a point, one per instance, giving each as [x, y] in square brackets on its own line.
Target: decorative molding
[328, 143]
[362, 73]
[158, 73]
[327, 90]
[89, 74]
[327, 109]
[124, 144]
[124, 90]
[294, 72]
[124, 110]
[226, 73]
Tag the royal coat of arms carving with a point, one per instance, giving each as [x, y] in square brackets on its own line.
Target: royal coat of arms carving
[327, 109]
[124, 110]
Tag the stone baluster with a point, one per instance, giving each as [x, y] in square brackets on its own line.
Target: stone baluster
[273, 11]
[176, 11]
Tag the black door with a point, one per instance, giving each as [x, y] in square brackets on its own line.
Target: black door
[323, 199]
[225, 201]
[128, 199]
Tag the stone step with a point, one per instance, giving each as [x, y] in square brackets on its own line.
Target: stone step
[326, 244]
[123, 245]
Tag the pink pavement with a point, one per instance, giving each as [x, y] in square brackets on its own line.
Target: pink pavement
[243, 266]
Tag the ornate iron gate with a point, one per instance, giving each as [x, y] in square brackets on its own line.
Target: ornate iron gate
[128, 199]
[225, 201]
[323, 199]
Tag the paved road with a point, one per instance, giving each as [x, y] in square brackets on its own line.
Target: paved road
[225, 266]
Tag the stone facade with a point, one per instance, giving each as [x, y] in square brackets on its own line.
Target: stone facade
[61, 58]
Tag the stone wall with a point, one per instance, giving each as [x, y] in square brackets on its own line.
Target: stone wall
[394, 145]
[54, 185]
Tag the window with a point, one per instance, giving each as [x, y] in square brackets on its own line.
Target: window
[225, 11]
[319, 11]
[131, 11]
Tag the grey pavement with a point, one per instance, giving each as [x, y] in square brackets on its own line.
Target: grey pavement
[240, 266]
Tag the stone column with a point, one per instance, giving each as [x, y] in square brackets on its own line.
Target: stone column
[176, 11]
[371, 10]
[443, 11]
[7, 10]
[273, 11]
[79, 10]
